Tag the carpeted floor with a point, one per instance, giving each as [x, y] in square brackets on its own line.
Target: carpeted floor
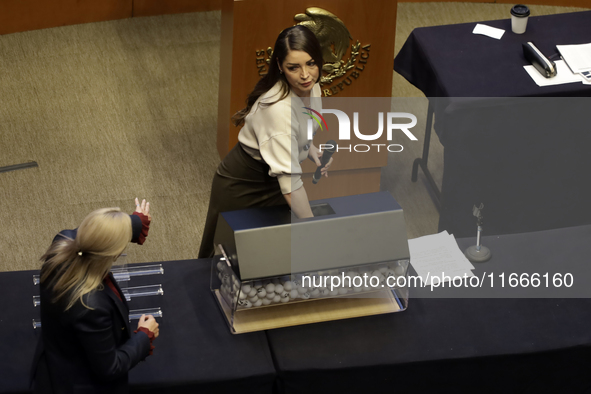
[115, 110]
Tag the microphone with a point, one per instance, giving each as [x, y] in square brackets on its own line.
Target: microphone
[326, 155]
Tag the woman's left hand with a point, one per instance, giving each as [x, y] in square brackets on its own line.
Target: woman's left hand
[144, 208]
[315, 155]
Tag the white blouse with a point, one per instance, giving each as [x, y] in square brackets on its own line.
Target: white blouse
[278, 134]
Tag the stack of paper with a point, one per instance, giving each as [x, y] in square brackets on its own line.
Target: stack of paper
[437, 258]
[563, 75]
[578, 57]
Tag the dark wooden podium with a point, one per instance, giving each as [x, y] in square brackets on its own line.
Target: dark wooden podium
[249, 27]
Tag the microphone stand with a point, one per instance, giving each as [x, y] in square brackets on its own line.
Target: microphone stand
[478, 253]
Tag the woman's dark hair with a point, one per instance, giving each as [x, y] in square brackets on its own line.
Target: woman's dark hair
[295, 38]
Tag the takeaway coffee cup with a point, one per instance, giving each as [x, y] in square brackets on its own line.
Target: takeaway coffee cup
[519, 15]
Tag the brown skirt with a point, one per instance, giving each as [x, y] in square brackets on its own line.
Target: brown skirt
[240, 182]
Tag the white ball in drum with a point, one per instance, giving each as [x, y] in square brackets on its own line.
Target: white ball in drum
[270, 295]
[266, 301]
[305, 296]
[343, 290]
[253, 292]
[288, 285]
[302, 290]
[277, 298]
[270, 287]
[383, 269]
[324, 292]
[294, 293]
[258, 303]
[278, 289]
[399, 270]
[262, 293]
[246, 288]
[242, 296]
[285, 299]
[253, 299]
[315, 293]
[334, 293]
[376, 273]
[220, 266]
[357, 289]
[247, 304]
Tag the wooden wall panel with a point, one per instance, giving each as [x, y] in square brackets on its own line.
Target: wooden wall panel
[161, 7]
[24, 15]
[225, 79]
[561, 3]
[447, 1]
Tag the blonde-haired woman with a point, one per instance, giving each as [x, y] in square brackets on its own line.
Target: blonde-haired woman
[86, 345]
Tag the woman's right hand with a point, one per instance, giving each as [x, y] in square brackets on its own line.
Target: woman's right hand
[144, 208]
[150, 323]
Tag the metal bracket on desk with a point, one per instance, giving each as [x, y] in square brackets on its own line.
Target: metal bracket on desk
[422, 161]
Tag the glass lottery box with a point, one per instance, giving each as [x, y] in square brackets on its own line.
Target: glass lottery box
[273, 270]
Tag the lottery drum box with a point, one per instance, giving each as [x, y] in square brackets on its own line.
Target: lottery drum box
[346, 258]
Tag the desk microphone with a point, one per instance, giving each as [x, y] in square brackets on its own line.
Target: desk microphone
[325, 158]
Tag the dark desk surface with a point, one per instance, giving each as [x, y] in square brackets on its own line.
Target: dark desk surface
[454, 345]
[435, 346]
[450, 61]
[195, 350]
[510, 144]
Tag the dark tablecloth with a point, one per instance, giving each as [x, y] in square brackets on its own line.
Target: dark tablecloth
[508, 143]
[450, 61]
[464, 345]
[194, 353]
[469, 345]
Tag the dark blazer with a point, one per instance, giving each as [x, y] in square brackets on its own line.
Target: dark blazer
[84, 350]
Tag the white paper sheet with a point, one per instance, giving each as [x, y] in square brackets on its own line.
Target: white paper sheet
[438, 257]
[563, 75]
[578, 57]
[488, 31]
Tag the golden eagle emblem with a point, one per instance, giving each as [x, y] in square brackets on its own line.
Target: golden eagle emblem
[334, 38]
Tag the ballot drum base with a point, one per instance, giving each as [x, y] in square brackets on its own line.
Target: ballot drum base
[478, 256]
[290, 300]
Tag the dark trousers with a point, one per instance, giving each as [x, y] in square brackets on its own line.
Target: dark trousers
[240, 182]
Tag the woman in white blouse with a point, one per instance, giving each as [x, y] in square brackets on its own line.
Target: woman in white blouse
[263, 169]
